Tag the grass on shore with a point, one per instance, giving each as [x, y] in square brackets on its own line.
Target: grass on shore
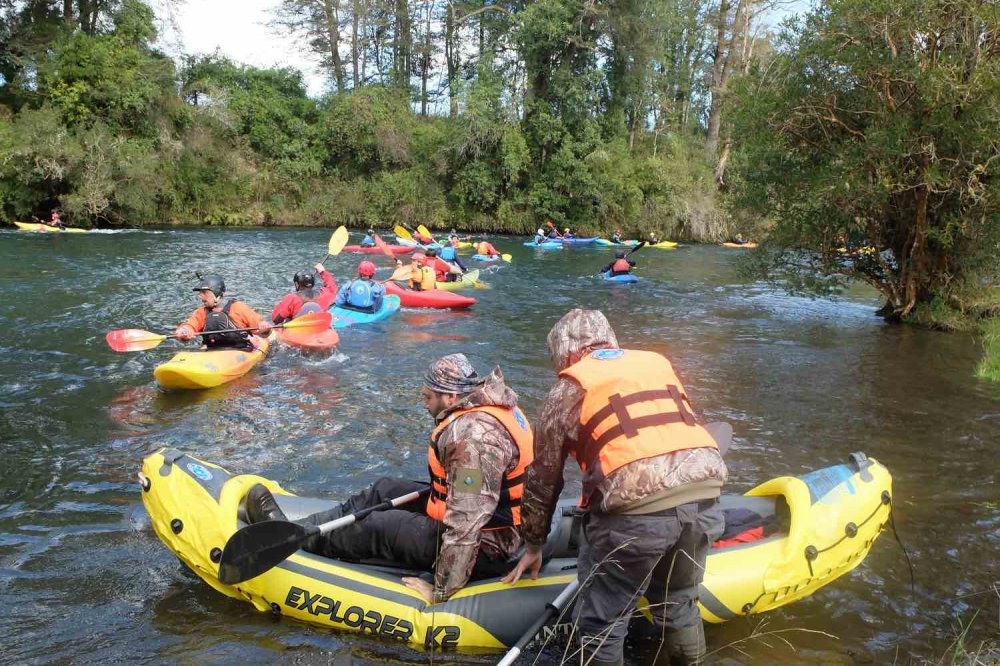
[989, 366]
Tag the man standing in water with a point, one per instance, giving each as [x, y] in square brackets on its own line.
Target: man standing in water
[651, 483]
[476, 456]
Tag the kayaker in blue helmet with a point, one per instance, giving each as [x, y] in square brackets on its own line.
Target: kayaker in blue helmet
[362, 294]
[369, 239]
[620, 266]
[466, 527]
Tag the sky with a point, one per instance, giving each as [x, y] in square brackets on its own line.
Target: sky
[239, 30]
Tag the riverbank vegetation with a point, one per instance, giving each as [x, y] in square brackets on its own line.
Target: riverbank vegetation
[858, 141]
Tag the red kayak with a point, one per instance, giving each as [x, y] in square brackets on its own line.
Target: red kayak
[396, 249]
[436, 298]
[314, 342]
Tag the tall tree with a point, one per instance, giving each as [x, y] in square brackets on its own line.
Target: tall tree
[319, 21]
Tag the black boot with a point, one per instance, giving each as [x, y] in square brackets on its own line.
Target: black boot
[260, 505]
[685, 647]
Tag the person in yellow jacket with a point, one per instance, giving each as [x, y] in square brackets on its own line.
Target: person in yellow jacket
[422, 277]
[652, 476]
[476, 455]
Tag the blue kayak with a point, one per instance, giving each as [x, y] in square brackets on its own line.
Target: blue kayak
[547, 245]
[343, 317]
[628, 278]
[483, 257]
[580, 241]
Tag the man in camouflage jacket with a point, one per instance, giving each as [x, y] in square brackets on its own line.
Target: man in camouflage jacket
[646, 517]
[476, 452]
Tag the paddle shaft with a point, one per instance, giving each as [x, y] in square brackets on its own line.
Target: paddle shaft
[639, 246]
[236, 330]
[344, 521]
[551, 610]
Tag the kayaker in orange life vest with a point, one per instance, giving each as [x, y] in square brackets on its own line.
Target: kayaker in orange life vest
[652, 476]
[476, 455]
[217, 314]
[306, 298]
[486, 249]
[620, 266]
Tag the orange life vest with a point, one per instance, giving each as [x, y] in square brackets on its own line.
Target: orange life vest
[508, 511]
[621, 266]
[635, 407]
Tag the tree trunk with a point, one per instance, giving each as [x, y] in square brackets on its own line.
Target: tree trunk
[452, 59]
[332, 26]
[68, 13]
[720, 169]
[718, 74]
[355, 19]
[404, 45]
[425, 64]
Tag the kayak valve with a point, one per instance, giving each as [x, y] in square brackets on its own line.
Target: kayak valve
[144, 482]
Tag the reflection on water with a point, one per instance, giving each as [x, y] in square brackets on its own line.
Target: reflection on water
[803, 381]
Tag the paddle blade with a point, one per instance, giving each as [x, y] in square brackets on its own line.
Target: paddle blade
[380, 244]
[314, 322]
[337, 241]
[402, 232]
[260, 547]
[506, 257]
[402, 273]
[424, 231]
[472, 276]
[133, 339]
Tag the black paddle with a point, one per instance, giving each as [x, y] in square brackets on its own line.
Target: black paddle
[638, 246]
[551, 610]
[262, 546]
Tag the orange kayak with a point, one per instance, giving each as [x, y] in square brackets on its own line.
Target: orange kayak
[311, 342]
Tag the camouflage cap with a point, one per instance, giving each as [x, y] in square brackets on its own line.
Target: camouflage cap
[578, 333]
[452, 374]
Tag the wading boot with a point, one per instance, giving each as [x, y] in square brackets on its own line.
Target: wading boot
[260, 505]
[685, 647]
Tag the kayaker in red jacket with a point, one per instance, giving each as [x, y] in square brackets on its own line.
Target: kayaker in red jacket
[486, 249]
[444, 271]
[298, 303]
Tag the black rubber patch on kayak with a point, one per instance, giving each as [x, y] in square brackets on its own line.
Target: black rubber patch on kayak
[716, 607]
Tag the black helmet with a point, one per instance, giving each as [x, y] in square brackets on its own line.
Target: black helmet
[213, 283]
[304, 280]
[431, 252]
[619, 254]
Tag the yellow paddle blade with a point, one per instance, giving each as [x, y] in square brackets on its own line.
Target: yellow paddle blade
[337, 241]
[402, 232]
[401, 274]
[506, 257]
[314, 322]
[471, 276]
[133, 339]
[425, 231]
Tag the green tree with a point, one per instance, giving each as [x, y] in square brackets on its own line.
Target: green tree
[875, 129]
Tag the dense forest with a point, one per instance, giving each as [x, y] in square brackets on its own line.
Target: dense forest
[857, 141]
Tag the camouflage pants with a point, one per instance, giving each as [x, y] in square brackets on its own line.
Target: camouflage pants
[625, 556]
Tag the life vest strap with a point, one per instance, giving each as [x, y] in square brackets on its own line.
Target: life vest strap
[618, 404]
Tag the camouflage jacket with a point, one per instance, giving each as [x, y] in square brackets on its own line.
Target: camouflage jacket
[557, 432]
[474, 446]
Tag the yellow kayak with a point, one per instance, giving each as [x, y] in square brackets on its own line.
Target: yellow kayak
[37, 226]
[205, 369]
[469, 281]
[663, 244]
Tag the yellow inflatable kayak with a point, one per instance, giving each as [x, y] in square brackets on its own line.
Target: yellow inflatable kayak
[37, 226]
[205, 369]
[829, 519]
[663, 244]
[469, 281]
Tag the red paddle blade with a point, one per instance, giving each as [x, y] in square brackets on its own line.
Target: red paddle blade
[133, 339]
[381, 244]
[314, 322]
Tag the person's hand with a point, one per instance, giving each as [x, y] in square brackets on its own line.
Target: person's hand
[264, 328]
[425, 589]
[184, 332]
[530, 561]
[319, 268]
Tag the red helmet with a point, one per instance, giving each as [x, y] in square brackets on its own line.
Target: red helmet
[366, 269]
[419, 257]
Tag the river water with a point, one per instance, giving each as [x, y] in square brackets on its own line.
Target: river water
[804, 382]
